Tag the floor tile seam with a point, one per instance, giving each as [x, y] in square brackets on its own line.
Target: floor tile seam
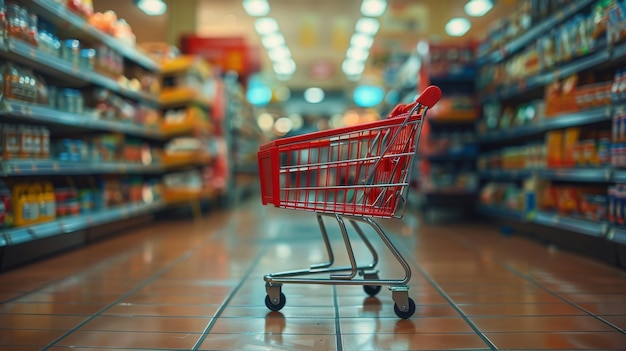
[533, 281]
[173, 263]
[255, 261]
[451, 302]
[95, 266]
[78, 273]
[338, 334]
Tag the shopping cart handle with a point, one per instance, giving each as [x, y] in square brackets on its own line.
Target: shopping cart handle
[429, 96]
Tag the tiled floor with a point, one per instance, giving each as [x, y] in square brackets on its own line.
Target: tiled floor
[199, 286]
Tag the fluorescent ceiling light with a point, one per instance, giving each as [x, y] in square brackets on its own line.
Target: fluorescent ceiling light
[283, 125]
[457, 27]
[273, 40]
[367, 26]
[373, 8]
[266, 25]
[314, 95]
[152, 7]
[478, 8]
[286, 67]
[352, 67]
[279, 53]
[256, 7]
[358, 54]
[361, 40]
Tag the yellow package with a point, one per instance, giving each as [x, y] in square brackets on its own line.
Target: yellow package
[47, 202]
[25, 205]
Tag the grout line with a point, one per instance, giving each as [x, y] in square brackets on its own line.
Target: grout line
[186, 255]
[221, 309]
[337, 322]
[141, 285]
[545, 288]
[79, 273]
[440, 290]
[465, 317]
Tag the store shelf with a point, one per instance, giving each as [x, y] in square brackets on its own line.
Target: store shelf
[185, 159]
[27, 54]
[557, 122]
[580, 64]
[576, 225]
[450, 157]
[617, 235]
[499, 54]
[178, 196]
[12, 168]
[45, 115]
[68, 225]
[592, 175]
[504, 213]
[59, 15]
[175, 97]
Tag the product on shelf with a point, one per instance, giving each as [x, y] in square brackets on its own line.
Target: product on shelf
[109, 23]
[80, 7]
[6, 207]
[24, 141]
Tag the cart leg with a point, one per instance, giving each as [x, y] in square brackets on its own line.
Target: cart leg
[329, 249]
[346, 240]
[392, 248]
[367, 243]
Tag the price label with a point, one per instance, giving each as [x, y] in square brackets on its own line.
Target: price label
[56, 167]
[32, 53]
[555, 220]
[611, 234]
[34, 167]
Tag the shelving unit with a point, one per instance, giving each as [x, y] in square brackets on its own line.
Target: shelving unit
[188, 100]
[592, 66]
[448, 146]
[22, 243]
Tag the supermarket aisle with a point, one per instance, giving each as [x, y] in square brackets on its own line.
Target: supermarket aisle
[199, 286]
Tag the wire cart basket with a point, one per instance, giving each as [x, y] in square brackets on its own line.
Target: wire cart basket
[356, 173]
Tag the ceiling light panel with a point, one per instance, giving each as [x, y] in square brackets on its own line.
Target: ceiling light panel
[478, 8]
[256, 8]
[367, 26]
[457, 27]
[273, 40]
[361, 40]
[373, 8]
[358, 54]
[266, 25]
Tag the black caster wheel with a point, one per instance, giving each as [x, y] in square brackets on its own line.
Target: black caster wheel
[280, 304]
[405, 314]
[372, 290]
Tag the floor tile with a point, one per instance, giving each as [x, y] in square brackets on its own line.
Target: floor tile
[35, 321]
[12, 337]
[540, 324]
[130, 340]
[175, 299]
[269, 341]
[401, 326]
[372, 307]
[605, 308]
[558, 341]
[618, 321]
[286, 312]
[520, 309]
[358, 342]
[50, 308]
[273, 324]
[147, 324]
[127, 309]
[511, 298]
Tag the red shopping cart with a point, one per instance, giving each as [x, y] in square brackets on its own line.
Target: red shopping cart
[358, 173]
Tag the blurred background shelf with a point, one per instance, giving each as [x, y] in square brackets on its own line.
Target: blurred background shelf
[67, 225]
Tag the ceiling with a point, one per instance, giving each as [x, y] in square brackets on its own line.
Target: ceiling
[316, 32]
